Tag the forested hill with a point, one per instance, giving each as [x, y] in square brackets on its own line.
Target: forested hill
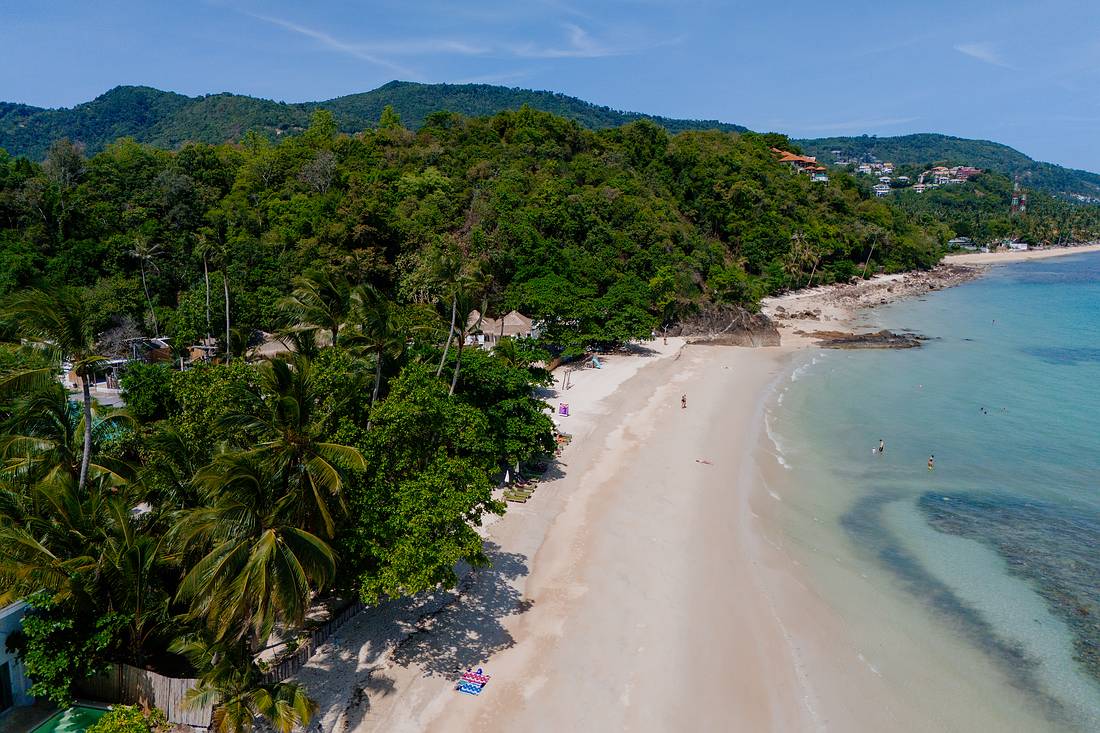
[926, 149]
[167, 119]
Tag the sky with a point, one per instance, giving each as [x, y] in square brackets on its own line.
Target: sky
[1026, 74]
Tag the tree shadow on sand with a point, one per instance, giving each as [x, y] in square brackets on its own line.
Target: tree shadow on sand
[466, 632]
[441, 634]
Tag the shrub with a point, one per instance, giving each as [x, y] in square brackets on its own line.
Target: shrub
[130, 719]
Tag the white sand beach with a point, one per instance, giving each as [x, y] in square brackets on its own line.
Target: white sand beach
[645, 586]
[994, 258]
[642, 588]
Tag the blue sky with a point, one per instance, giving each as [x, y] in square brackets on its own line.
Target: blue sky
[1023, 73]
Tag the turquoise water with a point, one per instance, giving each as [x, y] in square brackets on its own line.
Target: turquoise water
[74, 720]
[1000, 544]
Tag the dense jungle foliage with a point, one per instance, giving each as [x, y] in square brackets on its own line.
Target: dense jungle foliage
[981, 210]
[603, 235]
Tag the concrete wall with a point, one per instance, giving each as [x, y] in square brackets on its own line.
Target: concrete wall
[11, 620]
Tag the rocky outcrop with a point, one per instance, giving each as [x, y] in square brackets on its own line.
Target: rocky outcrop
[727, 325]
[877, 340]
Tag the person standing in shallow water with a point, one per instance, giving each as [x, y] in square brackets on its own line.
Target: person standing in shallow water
[881, 446]
[931, 462]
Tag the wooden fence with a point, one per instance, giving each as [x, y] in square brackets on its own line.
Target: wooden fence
[291, 663]
[128, 685]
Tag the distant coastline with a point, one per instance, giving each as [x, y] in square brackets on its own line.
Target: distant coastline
[996, 258]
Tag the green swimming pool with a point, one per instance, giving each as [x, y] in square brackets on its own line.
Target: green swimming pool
[74, 720]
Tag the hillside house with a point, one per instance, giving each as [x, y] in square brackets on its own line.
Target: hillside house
[881, 189]
[797, 163]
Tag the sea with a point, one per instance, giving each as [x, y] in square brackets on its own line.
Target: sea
[973, 585]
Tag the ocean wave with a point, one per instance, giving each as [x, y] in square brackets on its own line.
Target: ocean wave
[801, 370]
[776, 443]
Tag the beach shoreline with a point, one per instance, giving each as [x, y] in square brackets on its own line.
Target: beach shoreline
[646, 585]
[996, 258]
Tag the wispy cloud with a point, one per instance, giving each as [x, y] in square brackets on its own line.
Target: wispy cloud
[335, 44]
[582, 45]
[858, 125]
[577, 43]
[983, 51]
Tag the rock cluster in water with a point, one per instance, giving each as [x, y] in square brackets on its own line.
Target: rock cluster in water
[877, 340]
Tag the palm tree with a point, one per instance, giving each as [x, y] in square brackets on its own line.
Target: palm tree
[59, 323]
[236, 686]
[146, 254]
[41, 439]
[377, 329]
[284, 413]
[212, 241]
[260, 566]
[465, 301]
[448, 271]
[50, 540]
[203, 248]
[319, 302]
[130, 574]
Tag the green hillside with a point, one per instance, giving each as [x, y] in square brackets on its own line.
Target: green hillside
[927, 148]
[167, 119]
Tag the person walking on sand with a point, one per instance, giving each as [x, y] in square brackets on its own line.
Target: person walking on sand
[931, 462]
[683, 401]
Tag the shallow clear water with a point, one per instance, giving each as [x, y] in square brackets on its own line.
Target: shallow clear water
[1000, 543]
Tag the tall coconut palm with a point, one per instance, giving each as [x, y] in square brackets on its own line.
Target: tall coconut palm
[466, 301]
[202, 248]
[319, 303]
[212, 244]
[284, 414]
[60, 323]
[146, 254]
[259, 565]
[448, 273]
[41, 439]
[376, 327]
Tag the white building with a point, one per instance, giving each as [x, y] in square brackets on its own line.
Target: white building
[14, 685]
[881, 189]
